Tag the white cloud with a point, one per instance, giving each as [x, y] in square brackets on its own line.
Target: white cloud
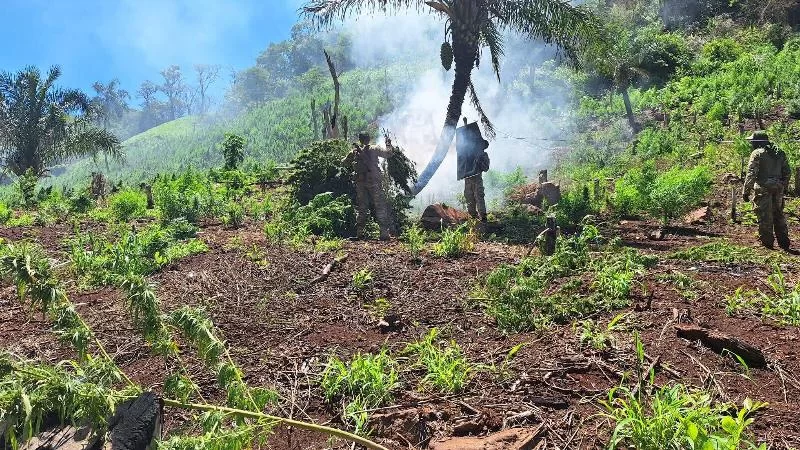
[158, 33]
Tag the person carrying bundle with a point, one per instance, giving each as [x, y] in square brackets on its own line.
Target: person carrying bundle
[368, 185]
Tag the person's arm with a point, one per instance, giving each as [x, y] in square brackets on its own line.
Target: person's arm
[786, 172]
[752, 175]
[385, 153]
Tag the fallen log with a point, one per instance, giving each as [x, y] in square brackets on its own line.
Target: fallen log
[722, 343]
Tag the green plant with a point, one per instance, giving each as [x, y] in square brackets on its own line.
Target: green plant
[677, 190]
[540, 291]
[128, 204]
[233, 151]
[684, 284]
[455, 242]
[362, 280]
[676, 417]
[26, 187]
[446, 368]
[366, 382]
[780, 303]
[234, 215]
[5, 213]
[720, 251]
[600, 338]
[414, 239]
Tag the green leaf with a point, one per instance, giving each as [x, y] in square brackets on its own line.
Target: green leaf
[729, 425]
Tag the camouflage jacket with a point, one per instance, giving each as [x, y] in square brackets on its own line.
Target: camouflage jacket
[365, 161]
[768, 170]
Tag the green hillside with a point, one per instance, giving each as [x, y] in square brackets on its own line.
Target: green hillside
[274, 130]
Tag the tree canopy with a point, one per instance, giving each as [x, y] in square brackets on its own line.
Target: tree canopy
[42, 124]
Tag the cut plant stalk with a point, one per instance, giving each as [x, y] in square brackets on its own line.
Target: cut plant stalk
[290, 422]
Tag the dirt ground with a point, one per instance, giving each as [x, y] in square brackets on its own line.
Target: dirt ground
[281, 328]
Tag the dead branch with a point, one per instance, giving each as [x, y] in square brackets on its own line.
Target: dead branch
[722, 343]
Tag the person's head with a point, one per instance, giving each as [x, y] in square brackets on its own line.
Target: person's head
[760, 139]
[363, 138]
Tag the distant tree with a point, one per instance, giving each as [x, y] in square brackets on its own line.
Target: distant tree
[42, 125]
[472, 24]
[175, 90]
[110, 101]
[153, 109]
[207, 74]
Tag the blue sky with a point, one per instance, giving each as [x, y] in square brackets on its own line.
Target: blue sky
[97, 40]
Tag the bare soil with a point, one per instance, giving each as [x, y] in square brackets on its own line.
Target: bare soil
[281, 328]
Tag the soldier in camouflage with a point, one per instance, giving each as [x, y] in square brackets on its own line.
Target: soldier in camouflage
[768, 176]
[368, 184]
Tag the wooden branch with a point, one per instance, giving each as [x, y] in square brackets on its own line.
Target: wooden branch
[722, 344]
[326, 271]
[335, 116]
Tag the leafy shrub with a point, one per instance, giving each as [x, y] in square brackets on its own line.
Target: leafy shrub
[781, 302]
[677, 417]
[233, 151]
[26, 188]
[188, 195]
[362, 280]
[446, 368]
[318, 169]
[575, 205]
[522, 297]
[234, 215]
[325, 215]
[414, 239]
[632, 191]
[366, 383]
[105, 261]
[518, 225]
[5, 213]
[128, 204]
[455, 242]
[721, 252]
[676, 191]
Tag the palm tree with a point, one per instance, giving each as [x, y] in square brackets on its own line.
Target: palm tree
[472, 24]
[110, 100]
[42, 125]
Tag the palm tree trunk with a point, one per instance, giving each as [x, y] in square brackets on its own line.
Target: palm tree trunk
[629, 110]
[464, 62]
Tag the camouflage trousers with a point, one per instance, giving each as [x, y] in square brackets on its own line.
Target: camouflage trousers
[768, 206]
[476, 198]
[370, 196]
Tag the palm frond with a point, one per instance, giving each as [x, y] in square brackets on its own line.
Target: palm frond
[488, 126]
[490, 36]
[325, 12]
[557, 22]
[86, 140]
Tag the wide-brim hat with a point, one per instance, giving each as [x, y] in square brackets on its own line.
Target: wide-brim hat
[758, 136]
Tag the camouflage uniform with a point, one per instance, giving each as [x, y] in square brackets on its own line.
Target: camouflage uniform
[474, 192]
[768, 174]
[369, 189]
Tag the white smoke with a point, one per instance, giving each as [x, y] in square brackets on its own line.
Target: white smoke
[523, 136]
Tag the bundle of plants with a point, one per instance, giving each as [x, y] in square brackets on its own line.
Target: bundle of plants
[401, 170]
